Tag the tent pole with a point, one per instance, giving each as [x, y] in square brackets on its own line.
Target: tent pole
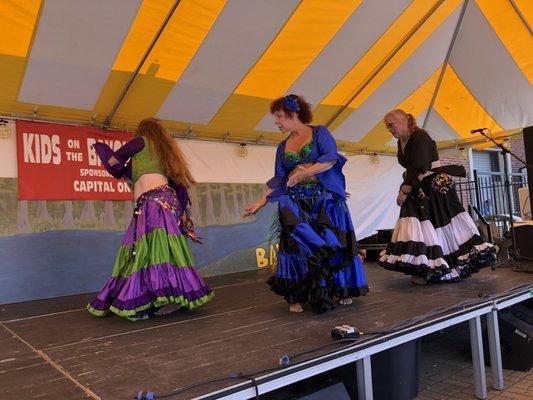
[524, 20]
[383, 63]
[109, 116]
[445, 64]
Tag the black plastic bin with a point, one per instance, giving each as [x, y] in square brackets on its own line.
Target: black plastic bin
[396, 372]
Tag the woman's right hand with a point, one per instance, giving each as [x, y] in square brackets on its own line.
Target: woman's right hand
[400, 199]
[253, 208]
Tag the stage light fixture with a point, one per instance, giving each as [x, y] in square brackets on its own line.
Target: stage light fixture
[5, 131]
[243, 150]
[507, 144]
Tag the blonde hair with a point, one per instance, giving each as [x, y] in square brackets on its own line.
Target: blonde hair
[411, 121]
[166, 148]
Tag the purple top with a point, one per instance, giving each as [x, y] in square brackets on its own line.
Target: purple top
[123, 154]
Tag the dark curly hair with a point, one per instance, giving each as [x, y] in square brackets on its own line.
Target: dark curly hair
[304, 108]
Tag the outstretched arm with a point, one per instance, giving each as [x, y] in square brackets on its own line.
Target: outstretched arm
[277, 182]
[253, 208]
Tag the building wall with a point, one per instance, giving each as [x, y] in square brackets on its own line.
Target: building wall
[457, 156]
[518, 148]
[464, 188]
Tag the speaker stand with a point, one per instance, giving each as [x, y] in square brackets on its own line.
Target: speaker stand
[515, 255]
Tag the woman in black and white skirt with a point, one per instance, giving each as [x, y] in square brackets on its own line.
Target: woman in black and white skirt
[434, 240]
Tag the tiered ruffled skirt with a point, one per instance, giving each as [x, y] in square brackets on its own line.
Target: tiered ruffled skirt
[154, 266]
[435, 238]
[318, 260]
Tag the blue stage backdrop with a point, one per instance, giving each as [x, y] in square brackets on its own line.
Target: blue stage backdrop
[58, 248]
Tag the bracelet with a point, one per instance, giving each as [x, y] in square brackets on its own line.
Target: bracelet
[402, 192]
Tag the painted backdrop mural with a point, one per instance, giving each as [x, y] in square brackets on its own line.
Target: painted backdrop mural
[57, 248]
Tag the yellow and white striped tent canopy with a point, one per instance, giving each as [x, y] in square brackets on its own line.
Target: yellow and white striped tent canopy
[213, 66]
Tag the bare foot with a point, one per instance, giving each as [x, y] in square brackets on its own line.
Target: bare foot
[418, 280]
[167, 309]
[346, 301]
[296, 308]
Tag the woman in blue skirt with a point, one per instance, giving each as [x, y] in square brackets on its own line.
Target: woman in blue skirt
[318, 261]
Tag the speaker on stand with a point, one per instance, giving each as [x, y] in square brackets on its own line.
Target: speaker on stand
[524, 240]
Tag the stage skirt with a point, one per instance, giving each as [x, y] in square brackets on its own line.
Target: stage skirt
[435, 238]
[318, 260]
[154, 266]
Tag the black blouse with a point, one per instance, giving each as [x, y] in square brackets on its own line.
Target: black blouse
[417, 156]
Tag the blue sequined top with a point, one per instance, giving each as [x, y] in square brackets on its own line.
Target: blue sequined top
[321, 149]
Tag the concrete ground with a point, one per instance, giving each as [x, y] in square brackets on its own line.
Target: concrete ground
[446, 371]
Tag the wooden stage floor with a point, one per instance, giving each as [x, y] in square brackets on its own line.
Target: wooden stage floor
[54, 349]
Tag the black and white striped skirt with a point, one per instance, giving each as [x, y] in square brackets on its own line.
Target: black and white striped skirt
[435, 238]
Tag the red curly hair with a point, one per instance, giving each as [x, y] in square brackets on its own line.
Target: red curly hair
[166, 148]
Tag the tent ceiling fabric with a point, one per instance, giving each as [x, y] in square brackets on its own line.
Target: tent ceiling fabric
[217, 64]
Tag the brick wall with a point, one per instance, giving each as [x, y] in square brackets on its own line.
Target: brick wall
[460, 157]
[517, 147]
[455, 156]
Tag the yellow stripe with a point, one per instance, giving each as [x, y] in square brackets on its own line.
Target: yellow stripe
[460, 109]
[512, 32]
[415, 104]
[184, 34]
[386, 44]
[18, 22]
[146, 24]
[310, 28]
[487, 145]
[180, 40]
[171, 54]
[526, 8]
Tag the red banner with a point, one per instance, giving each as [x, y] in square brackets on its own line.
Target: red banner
[57, 162]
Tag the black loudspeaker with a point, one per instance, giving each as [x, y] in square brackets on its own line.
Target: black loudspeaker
[316, 388]
[528, 147]
[524, 239]
[385, 235]
[516, 337]
[335, 391]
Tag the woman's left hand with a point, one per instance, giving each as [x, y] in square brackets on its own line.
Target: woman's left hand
[112, 161]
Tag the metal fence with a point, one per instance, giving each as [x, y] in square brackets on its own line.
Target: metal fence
[487, 192]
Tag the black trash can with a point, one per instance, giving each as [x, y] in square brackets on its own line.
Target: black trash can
[396, 372]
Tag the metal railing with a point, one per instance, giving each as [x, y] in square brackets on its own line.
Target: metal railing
[487, 192]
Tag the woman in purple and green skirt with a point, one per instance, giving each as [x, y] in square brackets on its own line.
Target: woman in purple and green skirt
[154, 269]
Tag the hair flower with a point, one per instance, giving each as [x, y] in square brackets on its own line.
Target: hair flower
[291, 104]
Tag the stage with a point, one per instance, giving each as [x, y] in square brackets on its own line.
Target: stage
[54, 349]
